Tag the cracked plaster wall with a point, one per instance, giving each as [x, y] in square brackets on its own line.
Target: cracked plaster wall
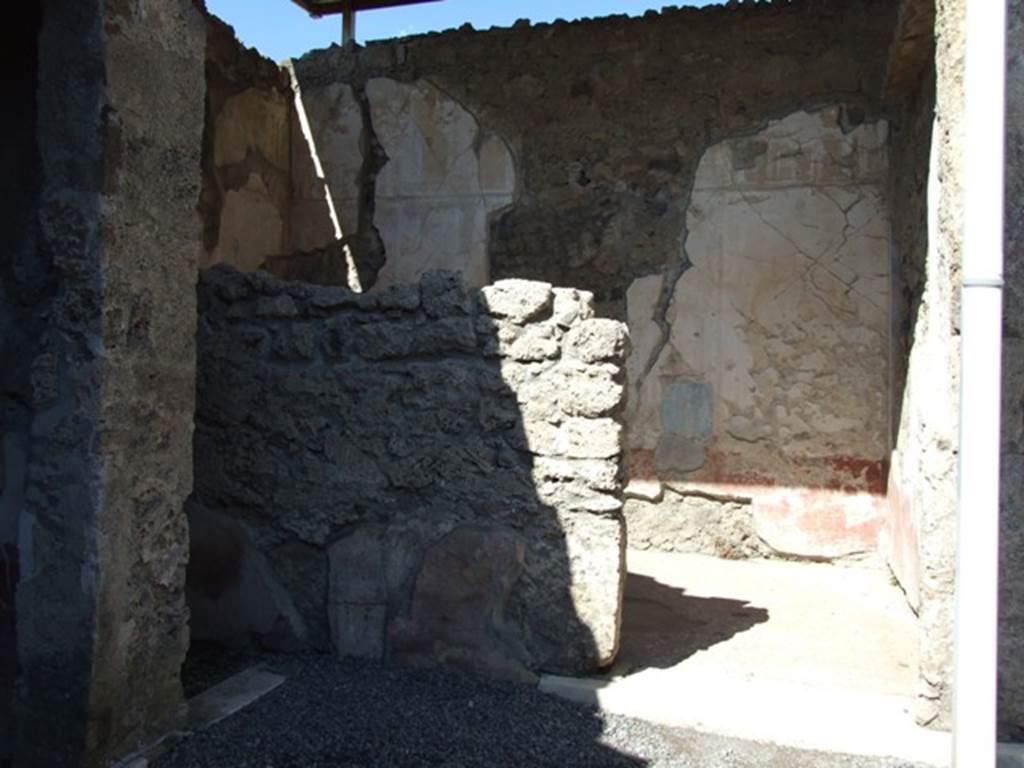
[247, 154]
[767, 376]
[321, 181]
[409, 172]
[604, 122]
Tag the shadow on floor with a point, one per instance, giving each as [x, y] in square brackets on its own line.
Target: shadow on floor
[662, 625]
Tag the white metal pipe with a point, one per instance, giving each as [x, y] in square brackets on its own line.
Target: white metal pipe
[976, 630]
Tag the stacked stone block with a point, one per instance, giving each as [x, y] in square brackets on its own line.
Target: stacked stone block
[417, 473]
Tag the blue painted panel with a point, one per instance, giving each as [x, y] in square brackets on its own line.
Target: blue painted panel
[686, 409]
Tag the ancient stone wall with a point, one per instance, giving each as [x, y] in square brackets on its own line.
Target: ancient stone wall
[414, 473]
[605, 121]
[604, 154]
[717, 178]
[919, 540]
[102, 378]
[1011, 607]
[912, 118]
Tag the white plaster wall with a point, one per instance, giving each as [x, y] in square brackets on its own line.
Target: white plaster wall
[432, 199]
[443, 179]
[250, 142]
[775, 367]
[328, 143]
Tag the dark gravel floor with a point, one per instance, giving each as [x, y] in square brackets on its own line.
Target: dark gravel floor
[353, 714]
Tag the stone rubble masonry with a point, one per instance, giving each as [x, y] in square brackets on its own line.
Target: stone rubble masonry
[606, 123]
[103, 367]
[670, 521]
[418, 473]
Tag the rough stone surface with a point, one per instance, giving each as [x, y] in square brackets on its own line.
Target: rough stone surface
[434, 155]
[678, 522]
[919, 539]
[627, 186]
[1011, 576]
[103, 299]
[769, 367]
[516, 300]
[463, 494]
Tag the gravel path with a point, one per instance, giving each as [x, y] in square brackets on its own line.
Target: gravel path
[352, 714]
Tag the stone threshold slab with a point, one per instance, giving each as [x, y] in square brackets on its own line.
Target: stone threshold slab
[209, 707]
[1010, 756]
[789, 715]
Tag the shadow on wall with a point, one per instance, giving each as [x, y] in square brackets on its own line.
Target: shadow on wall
[26, 288]
[415, 475]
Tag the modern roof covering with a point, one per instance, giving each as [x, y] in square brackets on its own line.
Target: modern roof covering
[325, 7]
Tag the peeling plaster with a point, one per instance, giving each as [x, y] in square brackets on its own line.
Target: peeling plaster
[779, 308]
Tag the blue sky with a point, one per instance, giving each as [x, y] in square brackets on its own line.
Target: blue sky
[280, 29]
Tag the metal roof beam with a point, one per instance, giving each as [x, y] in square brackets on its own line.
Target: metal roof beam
[328, 7]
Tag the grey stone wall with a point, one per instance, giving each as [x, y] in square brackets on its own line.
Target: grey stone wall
[103, 382]
[417, 473]
[925, 471]
[1011, 607]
